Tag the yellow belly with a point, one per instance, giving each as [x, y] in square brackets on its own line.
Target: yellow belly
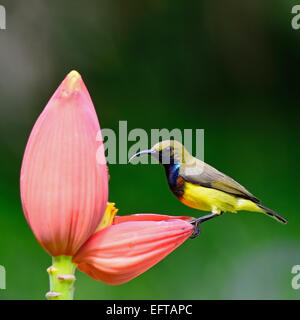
[208, 199]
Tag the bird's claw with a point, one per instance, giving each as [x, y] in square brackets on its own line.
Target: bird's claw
[196, 225]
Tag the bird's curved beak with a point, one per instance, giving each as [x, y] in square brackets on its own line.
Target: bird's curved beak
[148, 152]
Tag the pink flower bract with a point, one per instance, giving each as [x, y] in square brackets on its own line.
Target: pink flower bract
[63, 189]
[122, 251]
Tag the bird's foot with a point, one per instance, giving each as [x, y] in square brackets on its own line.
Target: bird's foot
[197, 230]
[196, 224]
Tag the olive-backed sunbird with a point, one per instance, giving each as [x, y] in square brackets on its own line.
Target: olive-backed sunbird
[200, 186]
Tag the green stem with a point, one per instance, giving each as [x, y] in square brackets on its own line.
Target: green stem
[62, 278]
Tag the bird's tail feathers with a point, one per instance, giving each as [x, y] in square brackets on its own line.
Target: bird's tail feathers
[248, 205]
[272, 213]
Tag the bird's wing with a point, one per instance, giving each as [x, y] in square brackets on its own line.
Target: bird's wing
[198, 172]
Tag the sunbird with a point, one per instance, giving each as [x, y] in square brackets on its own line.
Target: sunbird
[200, 186]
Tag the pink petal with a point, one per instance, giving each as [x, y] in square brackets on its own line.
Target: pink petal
[148, 217]
[122, 251]
[63, 188]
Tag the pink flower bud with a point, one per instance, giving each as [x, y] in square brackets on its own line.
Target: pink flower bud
[122, 251]
[63, 189]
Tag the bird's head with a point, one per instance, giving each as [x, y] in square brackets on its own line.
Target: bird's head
[166, 152]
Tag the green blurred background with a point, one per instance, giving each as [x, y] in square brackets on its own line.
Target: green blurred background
[229, 68]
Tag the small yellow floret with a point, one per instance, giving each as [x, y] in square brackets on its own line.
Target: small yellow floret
[108, 217]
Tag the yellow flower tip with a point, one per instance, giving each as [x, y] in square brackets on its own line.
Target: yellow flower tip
[108, 217]
[74, 74]
[51, 270]
[72, 83]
